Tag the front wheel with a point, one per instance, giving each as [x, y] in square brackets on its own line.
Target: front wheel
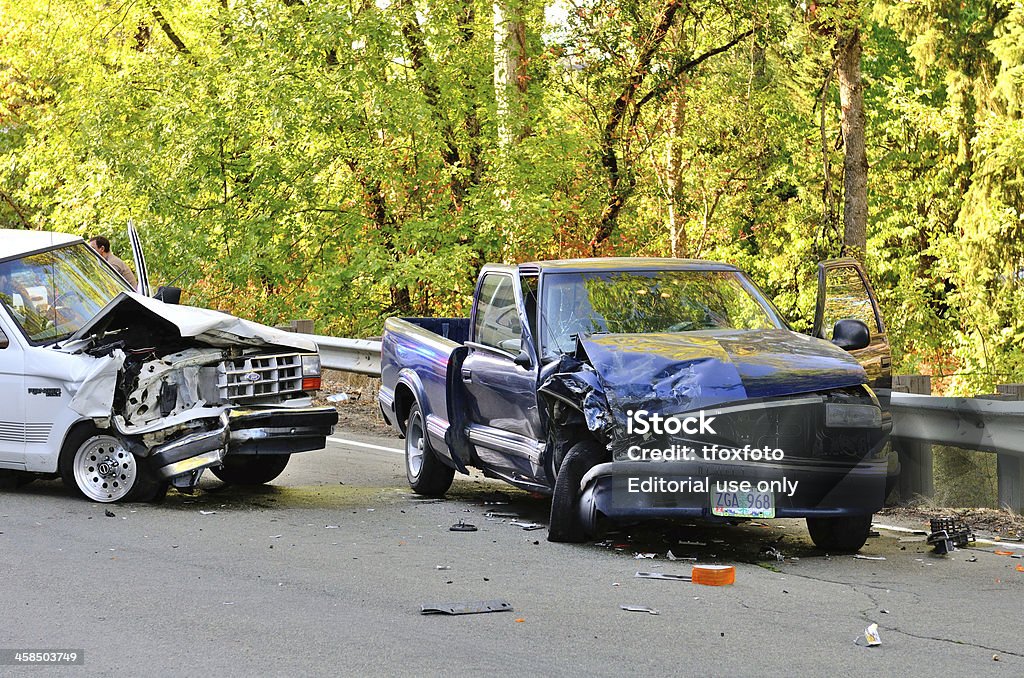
[251, 469]
[565, 524]
[840, 535]
[427, 474]
[101, 468]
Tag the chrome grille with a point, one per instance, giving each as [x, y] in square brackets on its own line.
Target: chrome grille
[256, 378]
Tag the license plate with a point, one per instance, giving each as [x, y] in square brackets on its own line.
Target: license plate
[751, 504]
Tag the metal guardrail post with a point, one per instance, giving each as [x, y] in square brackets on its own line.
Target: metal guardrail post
[916, 475]
[1010, 468]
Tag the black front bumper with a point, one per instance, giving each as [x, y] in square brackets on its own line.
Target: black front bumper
[279, 430]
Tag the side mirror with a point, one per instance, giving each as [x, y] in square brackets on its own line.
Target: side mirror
[850, 334]
[523, 360]
[168, 295]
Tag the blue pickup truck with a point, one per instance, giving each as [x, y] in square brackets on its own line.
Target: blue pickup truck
[633, 388]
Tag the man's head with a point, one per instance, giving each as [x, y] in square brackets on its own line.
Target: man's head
[101, 245]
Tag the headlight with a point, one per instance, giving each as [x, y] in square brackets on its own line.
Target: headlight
[842, 415]
[311, 372]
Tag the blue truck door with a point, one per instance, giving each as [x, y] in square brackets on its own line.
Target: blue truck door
[500, 377]
[844, 292]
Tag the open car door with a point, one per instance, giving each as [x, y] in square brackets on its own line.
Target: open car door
[845, 293]
[140, 259]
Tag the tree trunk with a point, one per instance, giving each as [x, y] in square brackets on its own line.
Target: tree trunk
[510, 81]
[855, 162]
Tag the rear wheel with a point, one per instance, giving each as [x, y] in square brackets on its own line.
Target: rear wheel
[565, 524]
[839, 535]
[101, 468]
[427, 474]
[251, 469]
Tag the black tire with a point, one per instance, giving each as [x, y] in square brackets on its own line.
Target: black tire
[839, 535]
[565, 525]
[100, 467]
[427, 474]
[249, 469]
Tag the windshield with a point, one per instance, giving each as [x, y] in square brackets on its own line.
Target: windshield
[52, 294]
[644, 302]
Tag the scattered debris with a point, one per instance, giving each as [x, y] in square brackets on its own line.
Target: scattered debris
[872, 636]
[860, 556]
[527, 526]
[691, 543]
[330, 527]
[444, 567]
[337, 397]
[206, 513]
[462, 526]
[995, 657]
[948, 534]
[713, 575]
[884, 611]
[972, 559]
[638, 608]
[670, 555]
[641, 556]
[498, 514]
[276, 536]
[772, 552]
[108, 513]
[1003, 553]
[663, 575]
[1020, 568]
[520, 620]
[476, 607]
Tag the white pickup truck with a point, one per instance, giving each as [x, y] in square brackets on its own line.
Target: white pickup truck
[122, 395]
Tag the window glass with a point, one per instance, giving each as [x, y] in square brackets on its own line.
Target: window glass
[641, 302]
[846, 297]
[497, 318]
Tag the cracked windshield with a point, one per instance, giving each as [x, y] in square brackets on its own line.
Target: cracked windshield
[647, 302]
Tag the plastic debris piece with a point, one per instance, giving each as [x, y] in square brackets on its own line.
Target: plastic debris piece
[520, 620]
[872, 636]
[670, 555]
[108, 513]
[691, 543]
[337, 398]
[276, 536]
[713, 575]
[641, 556]
[1003, 553]
[498, 514]
[462, 526]
[206, 513]
[1020, 568]
[948, 534]
[330, 527]
[444, 567]
[663, 575]
[972, 559]
[527, 526]
[475, 607]
[863, 557]
[638, 608]
[772, 552]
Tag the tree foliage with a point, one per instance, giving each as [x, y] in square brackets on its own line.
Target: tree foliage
[350, 161]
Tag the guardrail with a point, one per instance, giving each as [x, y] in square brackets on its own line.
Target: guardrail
[919, 421]
[361, 356]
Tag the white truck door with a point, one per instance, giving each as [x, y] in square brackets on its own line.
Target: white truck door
[12, 399]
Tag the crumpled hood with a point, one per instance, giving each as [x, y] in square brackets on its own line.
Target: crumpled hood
[211, 327]
[677, 372]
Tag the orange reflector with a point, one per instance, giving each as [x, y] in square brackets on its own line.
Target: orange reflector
[713, 575]
[311, 383]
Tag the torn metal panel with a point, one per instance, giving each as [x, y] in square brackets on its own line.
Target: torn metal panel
[476, 607]
[93, 395]
[217, 329]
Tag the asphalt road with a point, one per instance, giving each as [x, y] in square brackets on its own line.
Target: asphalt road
[324, 573]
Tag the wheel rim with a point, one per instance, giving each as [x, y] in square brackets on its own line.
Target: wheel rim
[104, 470]
[414, 446]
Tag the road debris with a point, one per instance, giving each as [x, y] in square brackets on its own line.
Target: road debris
[444, 567]
[1003, 553]
[108, 513]
[206, 513]
[527, 526]
[499, 514]
[475, 607]
[639, 608]
[948, 534]
[861, 556]
[871, 636]
[972, 559]
[772, 552]
[713, 575]
[462, 526]
[663, 575]
[337, 398]
[641, 556]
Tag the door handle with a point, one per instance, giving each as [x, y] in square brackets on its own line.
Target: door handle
[467, 375]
